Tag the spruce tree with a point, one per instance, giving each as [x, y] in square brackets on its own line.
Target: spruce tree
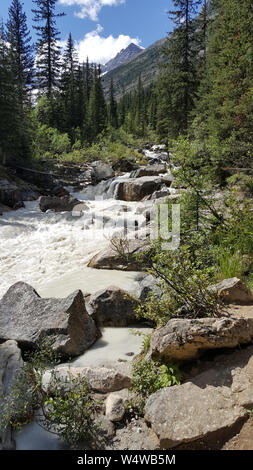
[112, 108]
[181, 69]
[97, 115]
[48, 49]
[69, 85]
[21, 49]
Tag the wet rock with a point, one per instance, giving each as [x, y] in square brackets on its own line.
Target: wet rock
[109, 258]
[233, 291]
[184, 339]
[10, 365]
[57, 204]
[101, 171]
[122, 165]
[135, 189]
[115, 408]
[99, 379]
[27, 318]
[206, 408]
[154, 170]
[146, 286]
[9, 193]
[111, 307]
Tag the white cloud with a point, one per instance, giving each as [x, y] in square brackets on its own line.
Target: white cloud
[91, 8]
[101, 49]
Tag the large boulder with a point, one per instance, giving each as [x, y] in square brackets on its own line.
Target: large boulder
[11, 364]
[147, 286]
[111, 307]
[9, 194]
[99, 379]
[233, 291]
[209, 408]
[184, 339]
[27, 318]
[152, 170]
[101, 171]
[135, 189]
[57, 204]
[109, 258]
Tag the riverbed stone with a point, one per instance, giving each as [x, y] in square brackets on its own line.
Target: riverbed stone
[152, 170]
[115, 408]
[207, 407]
[135, 189]
[58, 204]
[112, 307]
[233, 291]
[185, 339]
[109, 258]
[99, 379]
[27, 318]
[11, 364]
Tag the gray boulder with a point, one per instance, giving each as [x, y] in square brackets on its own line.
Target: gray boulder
[148, 285]
[99, 379]
[11, 364]
[233, 291]
[27, 318]
[109, 258]
[152, 170]
[111, 307]
[101, 171]
[115, 407]
[135, 189]
[57, 204]
[9, 194]
[209, 408]
[184, 339]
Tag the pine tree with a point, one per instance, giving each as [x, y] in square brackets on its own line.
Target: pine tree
[9, 115]
[21, 49]
[69, 86]
[181, 70]
[48, 50]
[112, 108]
[229, 101]
[97, 114]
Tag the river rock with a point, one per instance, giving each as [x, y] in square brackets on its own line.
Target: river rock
[9, 194]
[146, 286]
[109, 258]
[10, 365]
[111, 307]
[123, 165]
[135, 189]
[211, 406]
[99, 379]
[101, 171]
[184, 339]
[27, 318]
[233, 291]
[57, 204]
[115, 408]
[152, 170]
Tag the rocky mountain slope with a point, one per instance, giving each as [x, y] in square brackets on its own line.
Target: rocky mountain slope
[146, 63]
[125, 55]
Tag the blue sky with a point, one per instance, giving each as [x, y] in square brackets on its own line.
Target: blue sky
[102, 28]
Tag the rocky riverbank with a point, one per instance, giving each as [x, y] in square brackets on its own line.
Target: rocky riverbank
[211, 406]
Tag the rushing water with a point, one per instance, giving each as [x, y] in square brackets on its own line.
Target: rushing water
[50, 251]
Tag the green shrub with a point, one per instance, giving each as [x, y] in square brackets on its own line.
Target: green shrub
[149, 377]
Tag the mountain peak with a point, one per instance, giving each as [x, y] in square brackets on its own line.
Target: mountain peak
[125, 55]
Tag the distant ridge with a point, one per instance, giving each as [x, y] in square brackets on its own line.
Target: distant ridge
[146, 64]
[122, 57]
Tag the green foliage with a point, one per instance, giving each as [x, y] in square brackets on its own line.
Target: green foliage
[149, 377]
[65, 408]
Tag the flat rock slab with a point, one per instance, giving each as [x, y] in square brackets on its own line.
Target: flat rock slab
[184, 339]
[211, 404]
[27, 318]
[109, 258]
[99, 379]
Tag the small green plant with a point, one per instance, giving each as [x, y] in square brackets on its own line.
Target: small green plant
[65, 408]
[149, 377]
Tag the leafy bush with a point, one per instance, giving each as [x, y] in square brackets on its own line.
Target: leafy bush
[67, 409]
[150, 376]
